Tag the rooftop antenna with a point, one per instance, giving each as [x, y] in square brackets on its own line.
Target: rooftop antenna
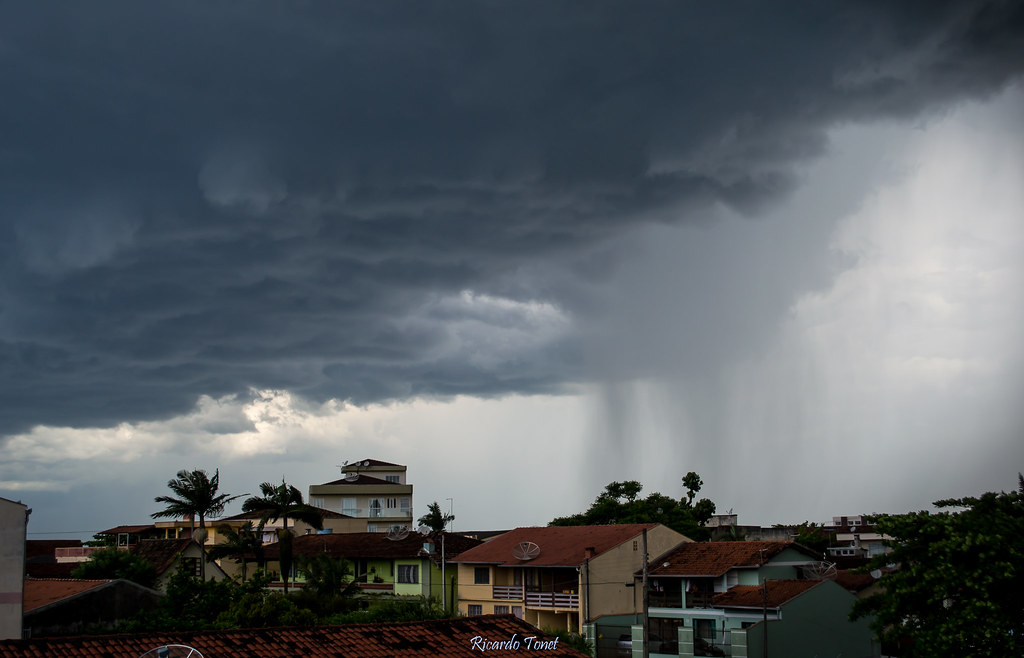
[525, 551]
[173, 651]
[820, 571]
[397, 532]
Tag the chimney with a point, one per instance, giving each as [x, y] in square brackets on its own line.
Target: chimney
[589, 552]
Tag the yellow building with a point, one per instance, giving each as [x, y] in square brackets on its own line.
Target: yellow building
[559, 577]
[375, 492]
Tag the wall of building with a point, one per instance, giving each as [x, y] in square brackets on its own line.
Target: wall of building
[611, 573]
[12, 566]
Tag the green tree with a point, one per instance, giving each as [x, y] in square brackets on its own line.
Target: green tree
[197, 496]
[620, 503]
[283, 502]
[111, 563]
[958, 588]
[238, 545]
[435, 519]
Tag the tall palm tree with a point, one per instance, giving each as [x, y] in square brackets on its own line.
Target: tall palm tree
[196, 496]
[238, 544]
[283, 502]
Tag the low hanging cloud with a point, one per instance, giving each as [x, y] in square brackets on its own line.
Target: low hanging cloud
[373, 202]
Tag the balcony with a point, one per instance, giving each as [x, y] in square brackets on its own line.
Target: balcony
[374, 513]
[569, 600]
[514, 593]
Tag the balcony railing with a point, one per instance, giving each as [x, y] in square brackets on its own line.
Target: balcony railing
[514, 593]
[374, 513]
[553, 600]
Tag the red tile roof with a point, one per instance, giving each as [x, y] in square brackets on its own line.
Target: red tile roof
[161, 552]
[559, 545]
[129, 529]
[752, 596]
[854, 582]
[43, 592]
[353, 545]
[715, 558]
[425, 639]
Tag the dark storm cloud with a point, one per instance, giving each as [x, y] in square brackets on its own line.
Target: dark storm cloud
[200, 198]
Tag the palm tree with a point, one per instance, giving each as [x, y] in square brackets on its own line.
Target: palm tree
[435, 519]
[283, 502]
[238, 544]
[197, 496]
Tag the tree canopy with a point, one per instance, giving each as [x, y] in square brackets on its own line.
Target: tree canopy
[114, 563]
[283, 502]
[196, 496]
[435, 519]
[620, 503]
[958, 585]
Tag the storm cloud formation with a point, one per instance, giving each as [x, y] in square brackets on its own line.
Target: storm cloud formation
[376, 201]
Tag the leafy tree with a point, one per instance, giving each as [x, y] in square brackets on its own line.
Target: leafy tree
[959, 585]
[811, 535]
[196, 497]
[435, 519]
[111, 563]
[620, 503]
[283, 502]
[238, 545]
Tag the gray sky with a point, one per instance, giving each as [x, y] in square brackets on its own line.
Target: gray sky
[524, 248]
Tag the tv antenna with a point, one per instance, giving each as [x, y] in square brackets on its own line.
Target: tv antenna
[397, 533]
[173, 651]
[820, 571]
[525, 551]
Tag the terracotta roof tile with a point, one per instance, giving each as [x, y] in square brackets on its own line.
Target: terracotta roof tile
[559, 545]
[853, 581]
[715, 558]
[161, 552]
[353, 545]
[752, 596]
[43, 592]
[130, 529]
[445, 637]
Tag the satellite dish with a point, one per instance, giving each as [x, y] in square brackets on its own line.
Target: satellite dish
[876, 573]
[423, 530]
[351, 477]
[172, 651]
[366, 463]
[525, 551]
[820, 571]
[397, 533]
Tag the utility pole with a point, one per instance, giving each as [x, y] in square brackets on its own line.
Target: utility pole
[646, 600]
[764, 606]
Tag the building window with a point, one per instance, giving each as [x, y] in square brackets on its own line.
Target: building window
[375, 508]
[392, 503]
[372, 527]
[317, 501]
[482, 576]
[475, 610]
[404, 504]
[394, 479]
[408, 574]
[517, 610]
[501, 609]
[636, 546]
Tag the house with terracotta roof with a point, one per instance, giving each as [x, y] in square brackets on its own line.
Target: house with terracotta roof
[167, 554]
[373, 491]
[13, 526]
[383, 565]
[710, 594]
[559, 576]
[492, 636]
[64, 606]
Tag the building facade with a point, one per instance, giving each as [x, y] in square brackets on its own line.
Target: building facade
[375, 492]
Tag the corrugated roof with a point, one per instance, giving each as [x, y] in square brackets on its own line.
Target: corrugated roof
[715, 558]
[559, 545]
[753, 596]
[43, 592]
[426, 639]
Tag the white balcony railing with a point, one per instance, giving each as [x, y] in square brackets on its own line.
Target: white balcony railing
[514, 593]
[552, 600]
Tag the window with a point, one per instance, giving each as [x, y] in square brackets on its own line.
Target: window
[392, 503]
[192, 564]
[375, 508]
[517, 610]
[394, 479]
[408, 573]
[404, 504]
[372, 527]
[482, 576]
[348, 507]
[501, 609]
[474, 610]
[316, 501]
[636, 546]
